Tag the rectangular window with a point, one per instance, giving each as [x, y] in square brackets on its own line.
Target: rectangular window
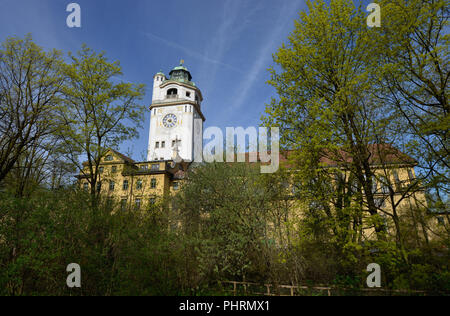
[188, 94]
[155, 166]
[125, 185]
[385, 189]
[139, 184]
[173, 143]
[380, 203]
[138, 203]
[99, 186]
[398, 185]
[175, 186]
[374, 185]
[109, 158]
[100, 169]
[163, 144]
[123, 204]
[152, 200]
[86, 186]
[410, 174]
[111, 185]
[114, 169]
[153, 183]
[157, 145]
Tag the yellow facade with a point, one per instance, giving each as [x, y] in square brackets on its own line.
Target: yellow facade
[133, 184]
[137, 185]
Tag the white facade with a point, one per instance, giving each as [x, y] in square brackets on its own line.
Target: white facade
[175, 105]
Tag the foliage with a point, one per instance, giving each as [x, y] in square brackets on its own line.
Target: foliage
[119, 253]
[99, 113]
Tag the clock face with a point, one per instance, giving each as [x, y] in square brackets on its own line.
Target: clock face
[169, 120]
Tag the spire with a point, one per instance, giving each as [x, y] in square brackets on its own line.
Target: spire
[180, 73]
[176, 151]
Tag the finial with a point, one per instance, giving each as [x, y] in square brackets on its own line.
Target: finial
[181, 62]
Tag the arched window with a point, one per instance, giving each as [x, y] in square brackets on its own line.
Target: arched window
[172, 93]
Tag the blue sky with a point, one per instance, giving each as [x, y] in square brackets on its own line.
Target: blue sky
[227, 45]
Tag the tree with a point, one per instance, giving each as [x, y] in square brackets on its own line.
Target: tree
[99, 113]
[223, 212]
[414, 79]
[325, 107]
[30, 97]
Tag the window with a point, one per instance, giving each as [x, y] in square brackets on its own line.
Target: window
[176, 142]
[384, 185]
[139, 184]
[114, 169]
[100, 169]
[172, 93]
[410, 174]
[86, 186]
[175, 186]
[440, 220]
[163, 144]
[385, 220]
[380, 203]
[397, 180]
[153, 183]
[157, 145]
[188, 94]
[109, 158]
[162, 159]
[99, 186]
[374, 185]
[155, 167]
[111, 185]
[152, 200]
[123, 204]
[143, 167]
[185, 108]
[138, 203]
[125, 185]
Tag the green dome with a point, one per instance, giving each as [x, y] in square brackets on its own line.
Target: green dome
[160, 73]
[180, 73]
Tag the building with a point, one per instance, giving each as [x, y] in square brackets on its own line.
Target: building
[175, 116]
[176, 103]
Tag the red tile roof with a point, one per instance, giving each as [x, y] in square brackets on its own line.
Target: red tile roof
[378, 154]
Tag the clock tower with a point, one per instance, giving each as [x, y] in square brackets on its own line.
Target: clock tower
[176, 104]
